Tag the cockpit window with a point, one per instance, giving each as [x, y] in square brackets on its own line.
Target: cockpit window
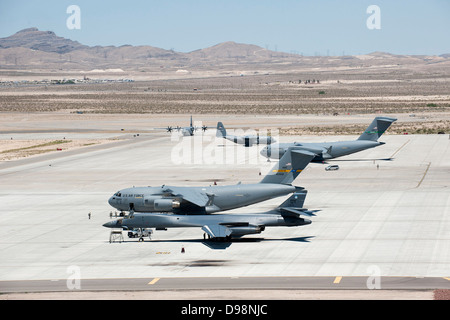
[118, 194]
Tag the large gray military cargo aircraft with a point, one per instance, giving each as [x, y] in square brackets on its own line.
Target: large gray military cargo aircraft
[329, 150]
[223, 226]
[209, 199]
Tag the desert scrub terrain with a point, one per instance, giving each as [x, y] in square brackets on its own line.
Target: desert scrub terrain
[430, 127]
[296, 94]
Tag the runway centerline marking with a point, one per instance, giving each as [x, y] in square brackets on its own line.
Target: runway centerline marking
[155, 280]
[337, 280]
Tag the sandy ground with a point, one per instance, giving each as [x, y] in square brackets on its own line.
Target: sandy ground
[16, 149]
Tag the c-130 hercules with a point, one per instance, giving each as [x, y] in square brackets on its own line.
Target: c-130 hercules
[209, 199]
[246, 140]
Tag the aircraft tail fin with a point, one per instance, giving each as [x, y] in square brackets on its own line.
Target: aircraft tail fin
[289, 167]
[191, 121]
[221, 131]
[378, 126]
[296, 200]
[293, 206]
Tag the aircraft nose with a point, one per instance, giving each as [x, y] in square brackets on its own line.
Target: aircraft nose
[264, 152]
[111, 201]
[110, 224]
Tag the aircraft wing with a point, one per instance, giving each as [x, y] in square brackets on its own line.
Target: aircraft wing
[198, 198]
[217, 230]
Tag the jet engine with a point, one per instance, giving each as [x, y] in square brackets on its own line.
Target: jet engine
[161, 204]
[240, 231]
[166, 204]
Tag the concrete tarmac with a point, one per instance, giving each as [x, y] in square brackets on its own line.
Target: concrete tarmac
[377, 218]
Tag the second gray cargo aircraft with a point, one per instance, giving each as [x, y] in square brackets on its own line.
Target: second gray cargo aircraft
[209, 199]
[329, 150]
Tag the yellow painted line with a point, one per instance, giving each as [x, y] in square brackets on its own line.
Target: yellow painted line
[155, 280]
[399, 149]
[337, 280]
[428, 167]
[447, 278]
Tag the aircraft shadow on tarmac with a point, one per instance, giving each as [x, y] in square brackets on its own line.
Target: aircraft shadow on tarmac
[348, 160]
[221, 245]
[217, 245]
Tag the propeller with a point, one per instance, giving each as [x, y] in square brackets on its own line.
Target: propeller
[204, 128]
[169, 129]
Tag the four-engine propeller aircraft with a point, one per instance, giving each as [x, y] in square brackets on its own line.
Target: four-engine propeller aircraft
[205, 200]
[329, 150]
[223, 226]
[186, 131]
[248, 140]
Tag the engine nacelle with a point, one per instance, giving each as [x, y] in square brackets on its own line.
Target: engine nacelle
[242, 231]
[161, 204]
[166, 204]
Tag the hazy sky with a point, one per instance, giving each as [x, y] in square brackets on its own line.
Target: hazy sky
[322, 27]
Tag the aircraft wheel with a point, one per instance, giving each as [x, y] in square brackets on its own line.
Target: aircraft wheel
[141, 239]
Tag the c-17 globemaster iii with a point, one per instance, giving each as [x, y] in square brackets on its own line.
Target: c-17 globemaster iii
[209, 199]
[223, 226]
[329, 150]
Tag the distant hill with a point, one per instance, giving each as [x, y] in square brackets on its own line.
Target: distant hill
[44, 50]
[230, 49]
[46, 41]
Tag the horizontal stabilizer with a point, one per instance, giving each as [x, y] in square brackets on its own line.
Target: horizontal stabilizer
[295, 212]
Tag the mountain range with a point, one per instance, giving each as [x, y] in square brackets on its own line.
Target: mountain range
[34, 49]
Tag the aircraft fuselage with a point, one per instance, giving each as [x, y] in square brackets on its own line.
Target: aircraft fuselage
[239, 224]
[324, 150]
[158, 199]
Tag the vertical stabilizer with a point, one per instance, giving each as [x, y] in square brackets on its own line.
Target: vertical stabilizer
[296, 200]
[221, 131]
[289, 166]
[378, 126]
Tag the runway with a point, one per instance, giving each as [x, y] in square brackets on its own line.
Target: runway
[391, 221]
[228, 283]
